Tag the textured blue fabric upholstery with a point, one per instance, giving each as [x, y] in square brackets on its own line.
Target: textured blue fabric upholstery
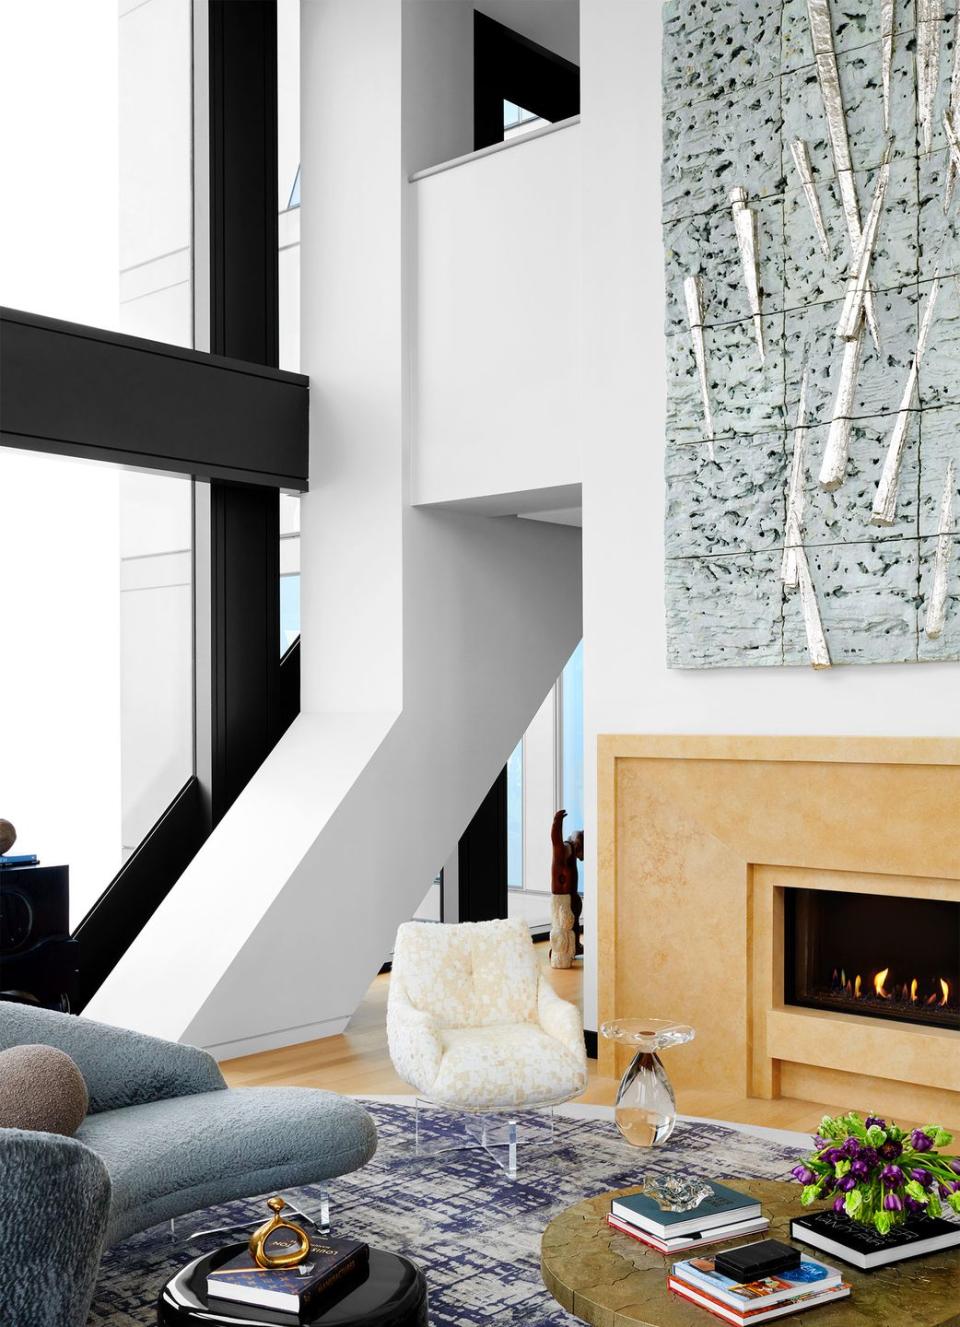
[174, 1156]
[54, 1207]
[120, 1068]
[165, 1136]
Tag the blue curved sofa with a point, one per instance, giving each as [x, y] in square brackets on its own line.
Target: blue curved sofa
[164, 1136]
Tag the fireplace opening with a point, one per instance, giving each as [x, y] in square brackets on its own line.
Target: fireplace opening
[874, 955]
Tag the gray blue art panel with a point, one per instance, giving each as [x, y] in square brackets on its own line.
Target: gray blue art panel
[811, 220]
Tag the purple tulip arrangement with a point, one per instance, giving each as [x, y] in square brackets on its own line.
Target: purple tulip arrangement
[878, 1173]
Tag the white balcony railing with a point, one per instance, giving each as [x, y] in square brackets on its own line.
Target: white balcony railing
[496, 319]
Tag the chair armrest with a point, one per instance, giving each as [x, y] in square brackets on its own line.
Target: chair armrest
[120, 1068]
[414, 1040]
[54, 1204]
[561, 1020]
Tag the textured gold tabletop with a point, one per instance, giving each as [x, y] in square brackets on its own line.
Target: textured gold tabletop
[611, 1280]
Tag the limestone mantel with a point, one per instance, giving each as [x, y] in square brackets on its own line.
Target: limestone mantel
[698, 837]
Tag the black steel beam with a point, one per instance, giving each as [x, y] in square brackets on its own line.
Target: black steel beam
[245, 613]
[244, 262]
[77, 391]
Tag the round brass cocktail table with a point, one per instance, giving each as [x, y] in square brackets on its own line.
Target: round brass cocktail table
[610, 1280]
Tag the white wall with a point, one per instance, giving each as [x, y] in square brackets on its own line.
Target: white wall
[429, 637]
[496, 322]
[627, 685]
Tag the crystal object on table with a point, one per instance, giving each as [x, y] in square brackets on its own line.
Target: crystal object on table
[676, 1193]
[646, 1109]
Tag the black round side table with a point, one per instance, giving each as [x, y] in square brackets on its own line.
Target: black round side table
[393, 1293]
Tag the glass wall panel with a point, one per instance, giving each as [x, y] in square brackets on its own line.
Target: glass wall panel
[59, 108]
[288, 179]
[156, 169]
[571, 726]
[289, 570]
[515, 818]
[550, 777]
[97, 668]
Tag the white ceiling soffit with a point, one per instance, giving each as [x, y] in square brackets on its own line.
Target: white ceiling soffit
[561, 516]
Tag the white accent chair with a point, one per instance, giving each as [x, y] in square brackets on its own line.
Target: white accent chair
[474, 1026]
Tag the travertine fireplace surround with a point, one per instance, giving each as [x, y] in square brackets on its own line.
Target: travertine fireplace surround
[698, 838]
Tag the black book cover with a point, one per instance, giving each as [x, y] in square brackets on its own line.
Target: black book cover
[907, 1241]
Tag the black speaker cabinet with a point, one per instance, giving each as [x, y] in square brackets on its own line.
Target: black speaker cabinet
[38, 959]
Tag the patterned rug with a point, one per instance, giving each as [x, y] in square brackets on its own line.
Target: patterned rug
[475, 1233]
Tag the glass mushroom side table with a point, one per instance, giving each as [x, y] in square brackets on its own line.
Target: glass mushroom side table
[646, 1109]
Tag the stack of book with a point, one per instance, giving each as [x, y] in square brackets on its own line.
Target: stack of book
[807, 1285]
[725, 1215]
[332, 1267]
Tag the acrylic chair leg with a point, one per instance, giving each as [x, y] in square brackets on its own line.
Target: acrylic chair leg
[321, 1221]
[511, 1166]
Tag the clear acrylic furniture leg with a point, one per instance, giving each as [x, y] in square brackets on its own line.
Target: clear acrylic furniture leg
[320, 1221]
[488, 1133]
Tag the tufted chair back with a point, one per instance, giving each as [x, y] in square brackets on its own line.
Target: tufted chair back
[476, 974]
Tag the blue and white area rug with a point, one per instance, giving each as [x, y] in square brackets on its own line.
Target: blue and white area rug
[475, 1233]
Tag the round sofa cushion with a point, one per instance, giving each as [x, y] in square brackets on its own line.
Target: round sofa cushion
[41, 1088]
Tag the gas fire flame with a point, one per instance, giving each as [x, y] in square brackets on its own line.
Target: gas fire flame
[940, 997]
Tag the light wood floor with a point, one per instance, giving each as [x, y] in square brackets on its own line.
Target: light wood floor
[357, 1062]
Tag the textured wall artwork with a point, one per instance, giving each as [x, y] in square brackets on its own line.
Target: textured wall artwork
[812, 236]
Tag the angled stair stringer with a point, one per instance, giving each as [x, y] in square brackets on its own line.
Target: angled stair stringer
[274, 933]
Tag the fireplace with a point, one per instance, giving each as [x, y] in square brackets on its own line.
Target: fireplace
[875, 955]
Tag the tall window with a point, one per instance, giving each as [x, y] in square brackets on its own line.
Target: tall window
[544, 774]
[288, 179]
[289, 570]
[515, 818]
[571, 735]
[97, 673]
[517, 121]
[156, 170]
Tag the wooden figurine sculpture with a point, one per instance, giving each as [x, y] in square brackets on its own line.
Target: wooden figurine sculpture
[565, 903]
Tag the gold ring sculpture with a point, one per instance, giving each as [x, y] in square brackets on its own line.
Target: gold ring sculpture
[258, 1241]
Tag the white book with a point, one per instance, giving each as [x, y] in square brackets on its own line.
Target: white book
[679, 1243]
[714, 1306]
[808, 1277]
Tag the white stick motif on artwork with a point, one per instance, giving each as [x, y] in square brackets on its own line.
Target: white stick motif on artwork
[821, 34]
[929, 23]
[833, 468]
[937, 612]
[801, 159]
[885, 501]
[794, 567]
[694, 298]
[853, 304]
[886, 57]
[745, 222]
